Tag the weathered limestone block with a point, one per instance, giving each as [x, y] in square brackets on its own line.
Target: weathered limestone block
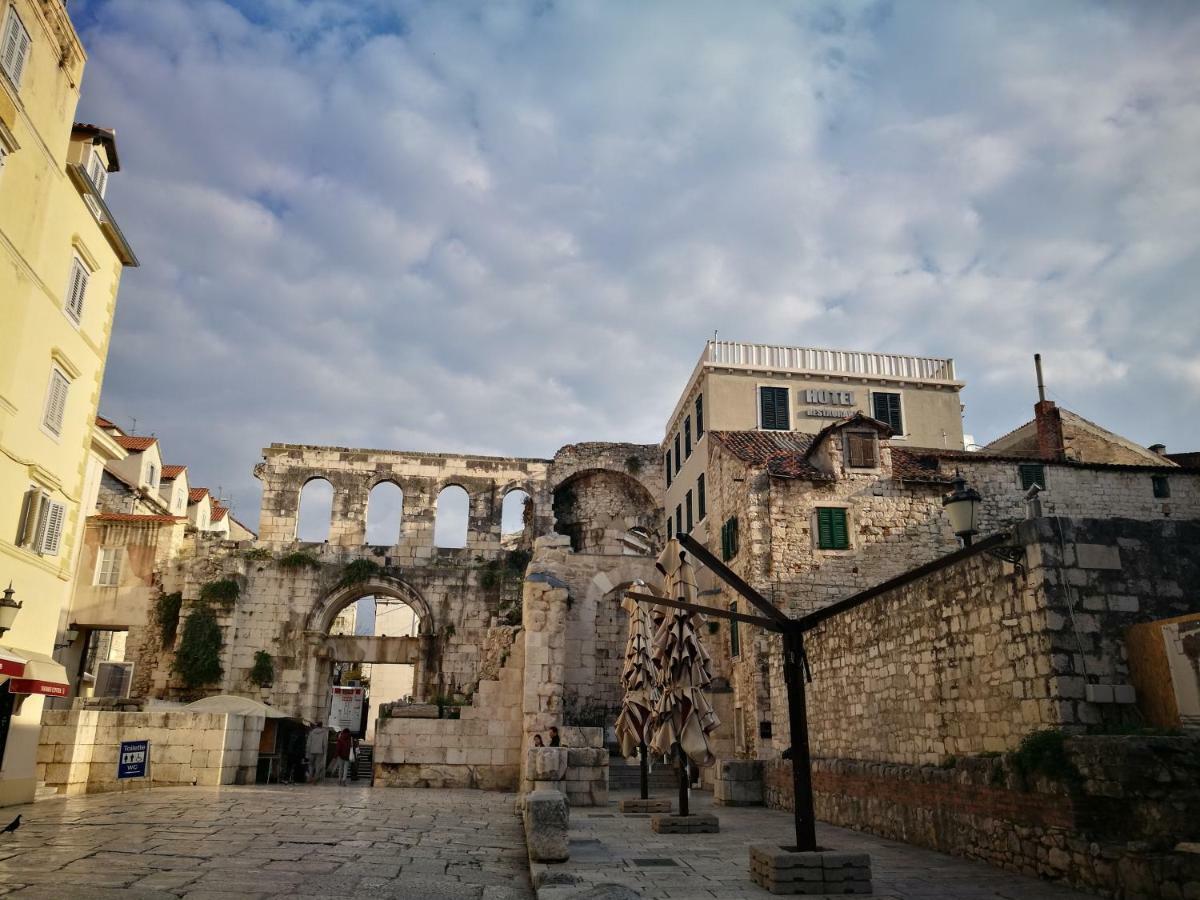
[547, 817]
[782, 871]
[638, 805]
[704, 823]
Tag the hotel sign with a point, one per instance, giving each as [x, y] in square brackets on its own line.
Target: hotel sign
[822, 400]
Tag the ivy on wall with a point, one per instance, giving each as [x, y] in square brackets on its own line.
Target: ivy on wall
[224, 591]
[198, 659]
[263, 672]
[166, 615]
[299, 560]
[359, 571]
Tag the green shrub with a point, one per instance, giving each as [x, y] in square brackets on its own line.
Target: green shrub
[299, 560]
[259, 554]
[198, 659]
[263, 672]
[1044, 753]
[359, 571]
[224, 591]
[633, 466]
[518, 560]
[166, 614]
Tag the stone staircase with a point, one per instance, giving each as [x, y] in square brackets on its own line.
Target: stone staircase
[625, 776]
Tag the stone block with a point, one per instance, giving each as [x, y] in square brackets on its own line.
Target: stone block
[665, 823]
[1124, 693]
[644, 806]
[547, 818]
[1097, 556]
[782, 871]
[1100, 693]
[546, 763]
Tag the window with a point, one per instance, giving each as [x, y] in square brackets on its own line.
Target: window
[98, 172]
[151, 472]
[1162, 487]
[831, 529]
[668, 463]
[42, 522]
[670, 528]
[729, 539]
[1031, 474]
[860, 450]
[687, 501]
[678, 458]
[886, 408]
[735, 641]
[773, 408]
[699, 417]
[678, 520]
[76, 290]
[108, 568]
[687, 437]
[14, 48]
[56, 402]
[701, 503]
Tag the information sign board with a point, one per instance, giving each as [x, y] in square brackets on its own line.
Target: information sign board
[135, 759]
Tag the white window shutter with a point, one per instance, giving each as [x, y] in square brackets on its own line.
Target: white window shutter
[77, 289]
[56, 402]
[52, 534]
[16, 48]
[30, 511]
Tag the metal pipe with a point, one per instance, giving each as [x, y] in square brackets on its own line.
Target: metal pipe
[1037, 364]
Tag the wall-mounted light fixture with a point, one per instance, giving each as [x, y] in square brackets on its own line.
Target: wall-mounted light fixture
[8, 610]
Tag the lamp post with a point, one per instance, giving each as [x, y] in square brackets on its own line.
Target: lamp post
[962, 507]
[8, 610]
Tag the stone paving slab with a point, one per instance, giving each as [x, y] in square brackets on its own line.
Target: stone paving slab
[621, 850]
[263, 842]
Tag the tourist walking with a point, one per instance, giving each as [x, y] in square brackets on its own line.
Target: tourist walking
[318, 752]
[344, 750]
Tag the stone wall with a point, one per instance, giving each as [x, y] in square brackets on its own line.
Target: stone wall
[79, 748]
[1111, 827]
[974, 655]
[482, 749]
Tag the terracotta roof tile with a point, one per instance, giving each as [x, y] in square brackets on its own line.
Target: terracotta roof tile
[781, 452]
[133, 517]
[918, 465]
[135, 442]
[169, 473]
[195, 495]
[218, 513]
[105, 423]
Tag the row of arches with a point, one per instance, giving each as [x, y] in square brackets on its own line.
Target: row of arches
[385, 514]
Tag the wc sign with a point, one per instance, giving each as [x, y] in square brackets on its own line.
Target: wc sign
[135, 759]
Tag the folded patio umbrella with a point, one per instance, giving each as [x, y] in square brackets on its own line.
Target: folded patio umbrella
[683, 714]
[639, 677]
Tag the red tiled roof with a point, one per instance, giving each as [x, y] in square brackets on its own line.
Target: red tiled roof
[171, 472]
[195, 495]
[218, 513]
[133, 517]
[105, 423]
[884, 429]
[782, 452]
[134, 442]
[918, 465]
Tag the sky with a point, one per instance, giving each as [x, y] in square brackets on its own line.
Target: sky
[503, 227]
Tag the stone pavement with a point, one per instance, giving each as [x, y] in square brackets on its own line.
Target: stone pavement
[609, 848]
[258, 842]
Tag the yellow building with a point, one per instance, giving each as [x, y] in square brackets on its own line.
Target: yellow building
[61, 259]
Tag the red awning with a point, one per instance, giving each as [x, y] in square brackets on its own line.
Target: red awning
[33, 673]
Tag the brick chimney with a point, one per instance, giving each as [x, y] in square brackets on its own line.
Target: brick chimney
[1051, 442]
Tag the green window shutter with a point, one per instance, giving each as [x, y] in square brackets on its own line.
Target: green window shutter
[699, 416]
[886, 407]
[701, 500]
[735, 643]
[824, 528]
[773, 408]
[1031, 474]
[733, 543]
[841, 539]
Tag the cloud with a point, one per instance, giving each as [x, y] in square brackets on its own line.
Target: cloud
[508, 227]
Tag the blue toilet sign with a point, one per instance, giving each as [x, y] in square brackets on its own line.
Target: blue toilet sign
[135, 759]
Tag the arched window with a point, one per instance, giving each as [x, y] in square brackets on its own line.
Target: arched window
[450, 526]
[316, 511]
[516, 514]
[385, 506]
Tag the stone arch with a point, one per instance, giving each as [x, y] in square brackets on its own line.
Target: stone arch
[527, 516]
[301, 491]
[595, 507]
[339, 598]
[383, 523]
[442, 535]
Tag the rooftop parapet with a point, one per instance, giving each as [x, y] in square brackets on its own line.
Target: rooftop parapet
[774, 358]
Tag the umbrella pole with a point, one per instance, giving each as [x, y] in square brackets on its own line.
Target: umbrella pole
[802, 792]
[683, 781]
[645, 771]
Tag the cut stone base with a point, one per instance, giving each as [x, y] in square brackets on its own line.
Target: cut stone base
[699, 824]
[783, 871]
[644, 806]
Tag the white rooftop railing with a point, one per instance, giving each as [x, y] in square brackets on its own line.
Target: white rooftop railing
[841, 362]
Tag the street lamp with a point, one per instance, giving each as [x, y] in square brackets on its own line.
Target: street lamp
[962, 506]
[8, 610]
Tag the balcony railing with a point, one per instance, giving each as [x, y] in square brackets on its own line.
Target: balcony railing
[839, 362]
